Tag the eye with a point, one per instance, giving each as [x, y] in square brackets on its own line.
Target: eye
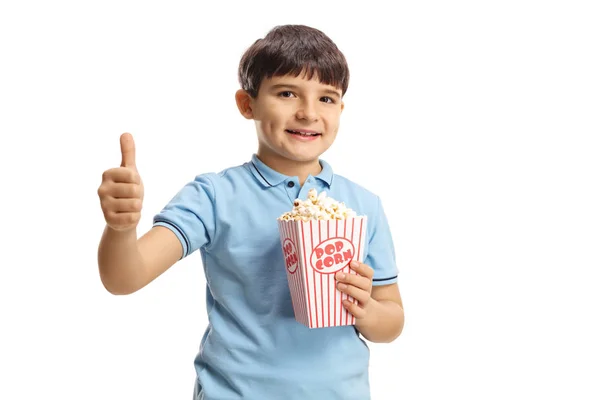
[286, 94]
[328, 100]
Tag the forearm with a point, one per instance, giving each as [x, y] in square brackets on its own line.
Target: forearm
[383, 323]
[120, 262]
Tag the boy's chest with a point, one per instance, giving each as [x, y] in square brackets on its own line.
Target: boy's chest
[247, 231]
[247, 245]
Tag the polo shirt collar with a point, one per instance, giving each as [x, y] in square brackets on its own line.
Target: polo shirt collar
[326, 174]
[268, 177]
[265, 174]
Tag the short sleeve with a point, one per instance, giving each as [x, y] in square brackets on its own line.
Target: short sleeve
[191, 214]
[381, 255]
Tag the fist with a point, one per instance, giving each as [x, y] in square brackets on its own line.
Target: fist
[121, 191]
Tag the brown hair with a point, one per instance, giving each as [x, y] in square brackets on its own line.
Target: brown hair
[293, 49]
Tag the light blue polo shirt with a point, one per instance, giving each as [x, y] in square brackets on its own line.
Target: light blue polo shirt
[253, 348]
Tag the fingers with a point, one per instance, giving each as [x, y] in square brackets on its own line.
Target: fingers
[120, 190]
[359, 294]
[122, 221]
[362, 269]
[354, 309]
[125, 175]
[358, 285]
[127, 151]
[117, 206]
[121, 213]
[361, 282]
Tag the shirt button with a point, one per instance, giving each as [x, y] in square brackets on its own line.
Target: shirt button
[290, 184]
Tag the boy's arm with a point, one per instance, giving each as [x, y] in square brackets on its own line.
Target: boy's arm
[379, 311]
[385, 316]
[127, 264]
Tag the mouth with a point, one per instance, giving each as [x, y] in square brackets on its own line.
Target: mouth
[303, 132]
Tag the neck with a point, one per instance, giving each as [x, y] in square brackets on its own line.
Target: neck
[301, 169]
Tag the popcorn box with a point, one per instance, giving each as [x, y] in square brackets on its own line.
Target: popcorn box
[314, 251]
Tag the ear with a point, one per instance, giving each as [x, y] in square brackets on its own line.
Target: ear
[244, 103]
[342, 109]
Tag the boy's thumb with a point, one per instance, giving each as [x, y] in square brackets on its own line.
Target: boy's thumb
[127, 151]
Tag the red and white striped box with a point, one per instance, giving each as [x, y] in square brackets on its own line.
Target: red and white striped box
[313, 252]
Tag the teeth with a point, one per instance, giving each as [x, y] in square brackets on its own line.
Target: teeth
[302, 133]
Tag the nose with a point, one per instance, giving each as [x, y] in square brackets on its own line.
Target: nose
[307, 111]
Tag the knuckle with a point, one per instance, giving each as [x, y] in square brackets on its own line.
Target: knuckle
[137, 205]
[123, 220]
[128, 218]
[134, 176]
[104, 190]
[108, 175]
[103, 206]
[136, 191]
[111, 218]
[133, 218]
[130, 175]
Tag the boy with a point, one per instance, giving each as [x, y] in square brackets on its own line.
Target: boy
[292, 84]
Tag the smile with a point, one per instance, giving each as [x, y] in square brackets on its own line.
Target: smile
[303, 132]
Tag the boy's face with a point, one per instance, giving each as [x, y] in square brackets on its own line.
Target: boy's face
[296, 119]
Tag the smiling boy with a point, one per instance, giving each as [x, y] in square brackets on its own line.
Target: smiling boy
[292, 85]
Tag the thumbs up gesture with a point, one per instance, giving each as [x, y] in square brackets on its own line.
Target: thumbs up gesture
[121, 191]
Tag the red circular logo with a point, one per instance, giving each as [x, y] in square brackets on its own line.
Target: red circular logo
[290, 255]
[331, 255]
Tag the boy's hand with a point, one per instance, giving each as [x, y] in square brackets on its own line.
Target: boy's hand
[122, 191]
[358, 286]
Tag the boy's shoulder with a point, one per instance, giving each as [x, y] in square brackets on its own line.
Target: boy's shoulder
[239, 171]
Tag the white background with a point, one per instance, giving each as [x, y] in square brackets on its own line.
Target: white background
[476, 122]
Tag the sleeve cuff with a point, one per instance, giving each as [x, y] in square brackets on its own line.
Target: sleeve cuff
[178, 232]
[385, 281]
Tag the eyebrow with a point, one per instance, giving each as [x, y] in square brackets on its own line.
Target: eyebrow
[291, 86]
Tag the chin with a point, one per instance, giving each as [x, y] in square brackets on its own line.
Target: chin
[306, 155]
[303, 157]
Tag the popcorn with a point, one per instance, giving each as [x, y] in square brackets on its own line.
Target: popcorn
[317, 207]
[319, 237]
